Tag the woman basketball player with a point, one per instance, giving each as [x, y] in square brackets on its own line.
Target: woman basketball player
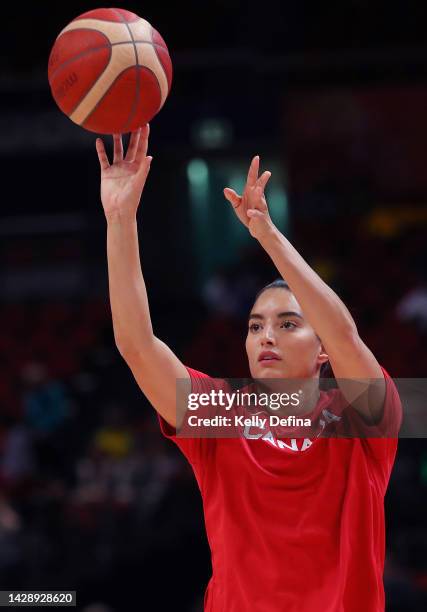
[293, 525]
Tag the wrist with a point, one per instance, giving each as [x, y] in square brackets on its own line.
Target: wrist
[119, 217]
[269, 235]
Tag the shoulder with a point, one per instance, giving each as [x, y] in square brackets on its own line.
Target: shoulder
[352, 422]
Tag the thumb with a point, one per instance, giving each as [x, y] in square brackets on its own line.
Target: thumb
[232, 197]
[144, 168]
[142, 173]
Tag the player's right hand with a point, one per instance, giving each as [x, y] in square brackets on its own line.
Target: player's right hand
[122, 181]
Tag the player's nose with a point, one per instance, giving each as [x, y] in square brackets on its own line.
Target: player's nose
[268, 336]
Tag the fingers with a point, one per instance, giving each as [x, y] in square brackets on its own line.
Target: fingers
[133, 146]
[253, 213]
[232, 197]
[263, 179]
[102, 156]
[253, 171]
[118, 148]
[141, 151]
[143, 171]
[259, 199]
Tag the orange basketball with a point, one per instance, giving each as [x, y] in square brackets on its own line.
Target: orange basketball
[110, 71]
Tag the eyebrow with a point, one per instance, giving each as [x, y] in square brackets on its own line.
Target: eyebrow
[281, 315]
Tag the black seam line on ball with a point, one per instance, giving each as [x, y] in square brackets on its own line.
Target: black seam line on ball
[138, 76]
[102, 98]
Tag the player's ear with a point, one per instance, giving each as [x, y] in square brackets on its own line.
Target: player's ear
[323, 356]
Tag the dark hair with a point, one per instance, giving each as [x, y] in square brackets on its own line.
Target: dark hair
[279, 283]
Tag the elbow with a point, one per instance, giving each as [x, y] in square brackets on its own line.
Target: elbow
[123, 349]
[129, 352]
[121, 344]
[129, 349]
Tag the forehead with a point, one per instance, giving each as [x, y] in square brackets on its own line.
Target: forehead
[274, 301]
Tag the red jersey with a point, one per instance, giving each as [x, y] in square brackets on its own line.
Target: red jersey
[295, 525]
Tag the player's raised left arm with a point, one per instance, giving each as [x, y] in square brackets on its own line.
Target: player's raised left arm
[352, 362]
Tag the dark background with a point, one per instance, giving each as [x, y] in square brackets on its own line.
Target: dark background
[333, 97]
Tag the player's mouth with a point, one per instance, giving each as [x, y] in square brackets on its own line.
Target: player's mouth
[268, 358]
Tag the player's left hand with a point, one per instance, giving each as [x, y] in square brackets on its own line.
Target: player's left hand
[251, 207]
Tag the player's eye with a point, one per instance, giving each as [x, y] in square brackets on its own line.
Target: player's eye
[254, 327]
[288, 324]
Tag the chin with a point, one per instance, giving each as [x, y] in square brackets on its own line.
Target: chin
[268, 372]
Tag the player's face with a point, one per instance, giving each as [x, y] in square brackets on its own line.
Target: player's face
[280, 342]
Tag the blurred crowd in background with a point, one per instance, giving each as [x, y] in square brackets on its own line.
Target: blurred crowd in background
[92, 497]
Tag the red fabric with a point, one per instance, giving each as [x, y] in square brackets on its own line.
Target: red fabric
[295, 530]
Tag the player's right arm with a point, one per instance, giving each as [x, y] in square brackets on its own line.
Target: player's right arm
[154, 366]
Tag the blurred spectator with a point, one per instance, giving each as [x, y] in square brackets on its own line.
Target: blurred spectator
[413, 306]
[45, 403]
[17, 460]
[12, 548]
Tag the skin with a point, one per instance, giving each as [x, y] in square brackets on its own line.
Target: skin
[154, 365]
[291, 337]
[295, 343]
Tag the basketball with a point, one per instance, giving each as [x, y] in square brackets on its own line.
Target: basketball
[110, 71]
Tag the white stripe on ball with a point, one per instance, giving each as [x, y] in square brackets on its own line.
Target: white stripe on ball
[122, 57]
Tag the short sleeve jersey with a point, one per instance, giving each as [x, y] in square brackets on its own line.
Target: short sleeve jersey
[295, 525]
